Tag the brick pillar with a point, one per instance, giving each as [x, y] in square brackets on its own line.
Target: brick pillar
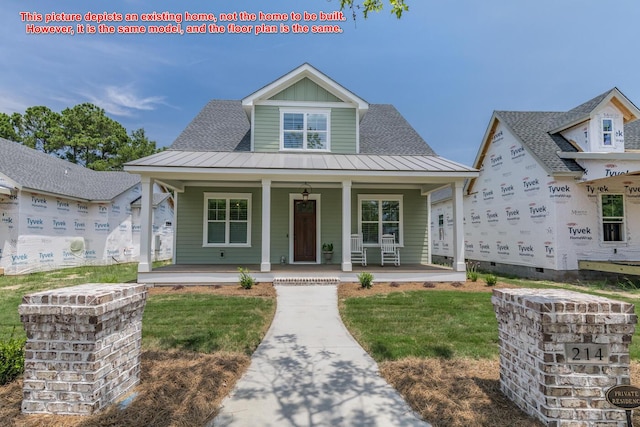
[83, 347]
[560, 351]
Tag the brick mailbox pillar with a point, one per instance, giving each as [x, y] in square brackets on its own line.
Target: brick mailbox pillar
[560, 351]
[83, 347]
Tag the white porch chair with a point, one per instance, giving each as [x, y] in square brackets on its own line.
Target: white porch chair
[358, 251]
[389, 251]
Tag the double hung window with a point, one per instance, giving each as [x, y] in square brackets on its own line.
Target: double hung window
[302, 130]
[227, 219]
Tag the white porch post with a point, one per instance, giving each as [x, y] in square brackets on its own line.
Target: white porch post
[265, 265]
[146, 214]
[458, 227]
[346, 226]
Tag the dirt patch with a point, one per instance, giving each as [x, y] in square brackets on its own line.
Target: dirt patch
[258, 290]
[176, 389]
[348, 290]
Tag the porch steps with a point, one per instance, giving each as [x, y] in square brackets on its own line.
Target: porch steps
[305, 281]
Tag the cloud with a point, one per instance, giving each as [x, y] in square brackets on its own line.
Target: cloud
[123, 100]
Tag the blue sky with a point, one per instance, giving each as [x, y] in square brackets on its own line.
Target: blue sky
[446, 65]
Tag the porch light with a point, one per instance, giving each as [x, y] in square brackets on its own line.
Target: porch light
[305, 192]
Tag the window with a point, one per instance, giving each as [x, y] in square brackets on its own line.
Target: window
[305, 130]
[227, 219]
[440, 227]
[607, 131]
[379, 215]
[612, 217]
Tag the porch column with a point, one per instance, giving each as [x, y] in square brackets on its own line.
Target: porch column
[265, 265]
[146, 214]
[458, 227]
[346, 226]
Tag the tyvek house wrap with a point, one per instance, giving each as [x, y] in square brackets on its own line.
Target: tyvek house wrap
[41, 232]
[520, 215]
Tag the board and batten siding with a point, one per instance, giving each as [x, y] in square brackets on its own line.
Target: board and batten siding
[189, 229]
[267, 129]
[305, 90]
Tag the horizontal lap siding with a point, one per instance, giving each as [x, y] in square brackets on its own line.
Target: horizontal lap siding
[415, 230]
[267, 129]
[280, 223]
[189, 249]
[343, 130]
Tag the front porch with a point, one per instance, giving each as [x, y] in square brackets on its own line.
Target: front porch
[192, 274]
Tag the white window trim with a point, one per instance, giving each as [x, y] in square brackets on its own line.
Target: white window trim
[603, 132]
[624, 220]
[305, 111]
[379, 198]
[205, 220]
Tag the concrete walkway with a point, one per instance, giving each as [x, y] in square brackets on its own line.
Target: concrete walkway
[309, 371]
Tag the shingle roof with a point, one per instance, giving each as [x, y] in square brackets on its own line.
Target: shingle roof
[384, 131]
[582, 111]
[632, 135]
[41, 172]
[533, 130]
[223, 125]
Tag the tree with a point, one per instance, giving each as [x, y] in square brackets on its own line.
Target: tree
[7, 126]
[82, 134]
[397, 6]
[38, 128]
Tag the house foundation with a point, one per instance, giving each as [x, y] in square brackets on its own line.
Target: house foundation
[83, 347]
[560, 351]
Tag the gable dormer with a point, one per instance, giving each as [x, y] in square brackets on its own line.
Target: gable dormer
[305, 111]
[597, 126]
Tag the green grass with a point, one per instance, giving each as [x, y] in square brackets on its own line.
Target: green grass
[442, 324]
[197, 322]
[449, 324]
[205, 323]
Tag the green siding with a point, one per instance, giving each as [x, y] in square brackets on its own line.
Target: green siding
[343, 130]
[266, 128]
[189, 228]
[305, 90]
[415, 227]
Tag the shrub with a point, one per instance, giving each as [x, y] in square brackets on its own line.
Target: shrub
[327, 247]
[11, 359]
[472, 270]
[246, 281]
[491, 280]
[366, 280]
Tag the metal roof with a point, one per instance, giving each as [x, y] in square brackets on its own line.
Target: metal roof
[328, 162]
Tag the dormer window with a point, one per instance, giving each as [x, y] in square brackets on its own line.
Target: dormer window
[304, 130]
[607, 131]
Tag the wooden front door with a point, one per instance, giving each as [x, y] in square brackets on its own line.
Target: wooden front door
[304, 231]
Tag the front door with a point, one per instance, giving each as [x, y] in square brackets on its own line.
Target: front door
[304, 231]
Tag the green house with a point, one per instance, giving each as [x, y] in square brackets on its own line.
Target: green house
[264, 182]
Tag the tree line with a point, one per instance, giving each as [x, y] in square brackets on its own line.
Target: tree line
[82, 134]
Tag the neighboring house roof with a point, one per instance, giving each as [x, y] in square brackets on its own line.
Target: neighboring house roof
[223, 126]
[38, 171]
[532, 128]
[632, 136]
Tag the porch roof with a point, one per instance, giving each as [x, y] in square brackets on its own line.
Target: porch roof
[277, 163]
